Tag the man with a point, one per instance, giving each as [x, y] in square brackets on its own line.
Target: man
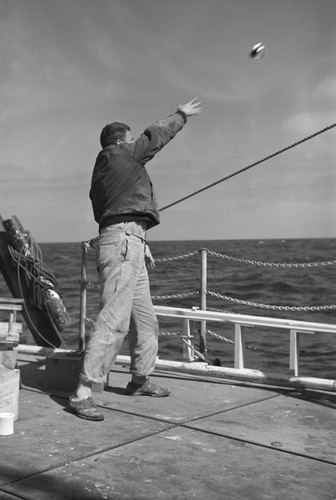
[125, 206]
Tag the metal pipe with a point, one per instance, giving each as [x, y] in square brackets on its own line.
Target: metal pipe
[203, 294]
[82, 305]
[204, 370]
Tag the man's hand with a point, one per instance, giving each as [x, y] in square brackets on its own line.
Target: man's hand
[191, 108]
[150, 262]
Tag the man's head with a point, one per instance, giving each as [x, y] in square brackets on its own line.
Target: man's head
[115, 133]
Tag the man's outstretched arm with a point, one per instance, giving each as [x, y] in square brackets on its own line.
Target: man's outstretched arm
[160, 133]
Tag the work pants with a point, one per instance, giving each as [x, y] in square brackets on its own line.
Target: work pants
[125, 304]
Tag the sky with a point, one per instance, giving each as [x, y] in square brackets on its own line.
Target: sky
[68, 67]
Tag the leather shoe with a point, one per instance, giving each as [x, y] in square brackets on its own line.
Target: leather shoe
[147, 389]
[86, 408]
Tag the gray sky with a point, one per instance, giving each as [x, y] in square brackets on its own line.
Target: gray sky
[68, 67]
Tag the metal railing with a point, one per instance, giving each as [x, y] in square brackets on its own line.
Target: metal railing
[201, 315]
[84, 283]
[240, 322]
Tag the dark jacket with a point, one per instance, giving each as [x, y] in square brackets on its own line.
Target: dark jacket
[121, 188]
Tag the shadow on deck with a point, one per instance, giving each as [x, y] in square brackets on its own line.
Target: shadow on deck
[210, 439]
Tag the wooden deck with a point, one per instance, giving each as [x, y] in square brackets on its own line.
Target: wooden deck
[211, 439]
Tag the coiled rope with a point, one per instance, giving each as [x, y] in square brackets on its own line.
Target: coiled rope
[283, 150]
[38, 277]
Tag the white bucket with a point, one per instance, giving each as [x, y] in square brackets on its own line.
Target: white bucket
[6, 424]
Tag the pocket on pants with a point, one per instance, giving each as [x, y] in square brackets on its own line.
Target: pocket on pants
[110, 251]
[124, 250]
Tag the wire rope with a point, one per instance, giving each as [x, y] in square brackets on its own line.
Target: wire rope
[248, 167]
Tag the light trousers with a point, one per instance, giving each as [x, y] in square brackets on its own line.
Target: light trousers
[125, 305]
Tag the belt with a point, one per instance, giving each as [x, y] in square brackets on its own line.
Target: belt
[129, 233]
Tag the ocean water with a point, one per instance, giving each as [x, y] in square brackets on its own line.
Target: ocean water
[275, 286]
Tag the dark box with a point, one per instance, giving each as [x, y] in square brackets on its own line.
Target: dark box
[63, 369]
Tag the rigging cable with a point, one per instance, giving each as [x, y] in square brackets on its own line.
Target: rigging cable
[248, 167]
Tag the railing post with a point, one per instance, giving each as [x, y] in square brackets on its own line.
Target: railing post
[82, 309]
[294, 350]
[203, 294]
[188, 354]
[239, 347]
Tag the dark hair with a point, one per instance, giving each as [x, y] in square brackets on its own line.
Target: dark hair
[112, 133]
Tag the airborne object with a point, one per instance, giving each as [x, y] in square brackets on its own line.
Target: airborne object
[258, 51]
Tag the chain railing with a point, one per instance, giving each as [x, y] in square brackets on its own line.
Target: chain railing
[267, 352]
[272, 307]
[276, 265]
[272, 264]
[203, 293]
[178, 257]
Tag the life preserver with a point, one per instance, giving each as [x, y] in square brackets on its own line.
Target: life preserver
[29, 278]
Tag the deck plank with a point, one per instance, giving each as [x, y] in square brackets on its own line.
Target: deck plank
[183, 464]
[48, 435]
[289, 422]
[208, 440]
[194, 400]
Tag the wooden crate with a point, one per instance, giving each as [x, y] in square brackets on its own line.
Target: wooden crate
[10, 331]
[9, 391]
